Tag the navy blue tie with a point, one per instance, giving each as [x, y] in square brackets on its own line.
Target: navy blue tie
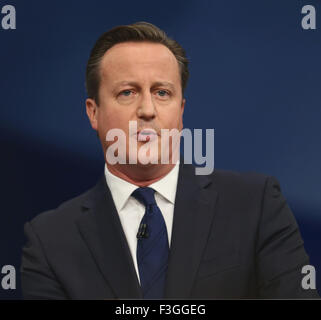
[152, 246]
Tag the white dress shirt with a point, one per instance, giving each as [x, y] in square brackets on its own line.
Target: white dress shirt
[131, 211]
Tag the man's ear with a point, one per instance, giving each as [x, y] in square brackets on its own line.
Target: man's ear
[183, 105]
[182, 112]
[92, 113]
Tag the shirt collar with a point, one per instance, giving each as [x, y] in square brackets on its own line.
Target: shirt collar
[121, 189]
[167, 185]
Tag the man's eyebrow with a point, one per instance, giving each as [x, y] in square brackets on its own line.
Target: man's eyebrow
[164, 84]
[125, 83]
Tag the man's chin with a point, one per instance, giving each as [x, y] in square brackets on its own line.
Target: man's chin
[147, 163]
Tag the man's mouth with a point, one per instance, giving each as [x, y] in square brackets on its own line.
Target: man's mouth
[146, 135]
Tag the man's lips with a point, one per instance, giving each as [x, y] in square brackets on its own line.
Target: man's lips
[146, 135]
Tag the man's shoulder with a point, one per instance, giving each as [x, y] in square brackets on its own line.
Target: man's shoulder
[243, 187]
[250, 183]
[65, 214]
[248, 187]
[237, 180]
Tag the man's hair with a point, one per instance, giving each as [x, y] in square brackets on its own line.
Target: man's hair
[137, 32]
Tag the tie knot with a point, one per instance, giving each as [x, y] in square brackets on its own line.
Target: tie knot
[145, 195]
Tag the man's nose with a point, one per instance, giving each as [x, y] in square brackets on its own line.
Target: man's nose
[146, 108]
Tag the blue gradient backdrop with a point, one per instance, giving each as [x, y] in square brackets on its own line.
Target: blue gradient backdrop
[255, 79]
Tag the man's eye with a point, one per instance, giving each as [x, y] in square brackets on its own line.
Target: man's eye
[126, 93]
[162, 93]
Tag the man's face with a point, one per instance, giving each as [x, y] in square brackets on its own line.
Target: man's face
[140, 81]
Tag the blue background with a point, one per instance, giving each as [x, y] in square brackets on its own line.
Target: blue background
[255, 79]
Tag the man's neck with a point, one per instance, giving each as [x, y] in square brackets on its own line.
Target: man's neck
[140, 175]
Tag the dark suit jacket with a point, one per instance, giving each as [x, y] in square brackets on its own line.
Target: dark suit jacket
[233, 236]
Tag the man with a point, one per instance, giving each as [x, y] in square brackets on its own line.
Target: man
[158, 230]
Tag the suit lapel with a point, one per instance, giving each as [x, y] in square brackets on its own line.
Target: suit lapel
[101, 229]
[193, 214]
